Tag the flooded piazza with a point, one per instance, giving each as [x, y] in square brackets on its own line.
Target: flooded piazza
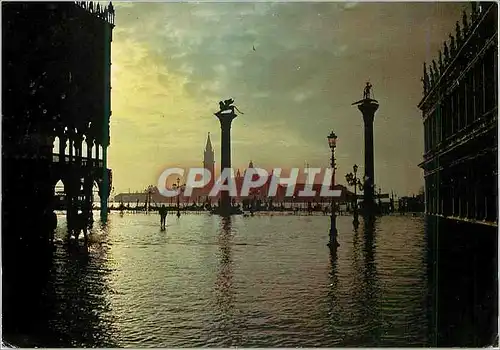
[116, 116]
[261, 281]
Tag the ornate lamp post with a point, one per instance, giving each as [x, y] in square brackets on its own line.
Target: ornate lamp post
[353, 180]
[149, 192]
[332, 143]
[178, 195]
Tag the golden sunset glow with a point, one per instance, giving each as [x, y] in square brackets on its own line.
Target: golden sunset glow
[173, 62]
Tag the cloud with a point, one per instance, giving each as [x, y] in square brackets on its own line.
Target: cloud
[301, 96]
[310, 62]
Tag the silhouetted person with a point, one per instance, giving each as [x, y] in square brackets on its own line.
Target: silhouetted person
[80, 223]
[163, 216]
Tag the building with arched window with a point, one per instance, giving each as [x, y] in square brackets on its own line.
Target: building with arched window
[460, 115]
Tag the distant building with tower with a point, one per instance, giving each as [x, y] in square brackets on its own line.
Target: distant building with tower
[209, 161]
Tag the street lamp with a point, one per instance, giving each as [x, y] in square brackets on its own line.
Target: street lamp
[178, 195]
[332, 143]
[352, 180]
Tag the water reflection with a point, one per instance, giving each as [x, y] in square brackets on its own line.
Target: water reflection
[256, 281]
[81, 296]
[227, 331]
[463, 283]
[24, 278]
[370, 285]
[334, 312]
[60, 300]
[224, 283]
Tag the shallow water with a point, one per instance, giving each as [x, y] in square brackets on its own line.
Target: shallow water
[254, 281]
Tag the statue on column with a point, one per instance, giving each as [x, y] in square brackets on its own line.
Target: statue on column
[432, 76]
[474, 12]
[367, 91]
[441, 63]
[465, 25]
[227, 105]
[453, 47]
[446, 53]
[459, 34]
[435, 70]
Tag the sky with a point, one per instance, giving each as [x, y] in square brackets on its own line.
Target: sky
[173, 62]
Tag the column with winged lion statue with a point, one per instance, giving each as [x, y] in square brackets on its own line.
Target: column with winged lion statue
[226, 115]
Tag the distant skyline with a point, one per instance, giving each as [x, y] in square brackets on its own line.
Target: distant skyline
[173, 62]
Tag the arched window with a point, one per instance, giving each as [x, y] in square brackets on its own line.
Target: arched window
[84, 148]
[66, 148]
[55, 147]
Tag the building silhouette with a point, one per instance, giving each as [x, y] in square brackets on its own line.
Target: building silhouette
[460, 115]
[459, 110]
[56, 90]
[261, 192]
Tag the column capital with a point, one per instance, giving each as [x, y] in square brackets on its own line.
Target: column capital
[225, 118]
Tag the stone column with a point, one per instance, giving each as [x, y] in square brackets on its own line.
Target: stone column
[62, 148]
[368, 107]
[225, 119]
[78, 139]
[97, 154]
[90, 144]
[474, 193]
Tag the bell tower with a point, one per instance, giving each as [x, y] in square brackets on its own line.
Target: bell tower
[209, 162]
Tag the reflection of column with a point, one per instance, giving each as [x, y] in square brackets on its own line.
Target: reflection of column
[370, 278]
[224, 283]
[87, 192]
[365, 285]
[71, 210]
[81, 289]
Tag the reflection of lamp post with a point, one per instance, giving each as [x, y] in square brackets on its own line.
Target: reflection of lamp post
[332, 142]
[352, 180]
